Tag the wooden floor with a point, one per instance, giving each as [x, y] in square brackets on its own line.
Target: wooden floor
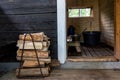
[91, 51]
[100, 52]
[60, 74]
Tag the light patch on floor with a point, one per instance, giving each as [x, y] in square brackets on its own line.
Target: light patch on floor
[69, 74]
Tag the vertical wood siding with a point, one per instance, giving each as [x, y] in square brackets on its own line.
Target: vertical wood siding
[23, 16]
[107, 21]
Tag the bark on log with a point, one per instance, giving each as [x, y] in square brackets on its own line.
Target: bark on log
[32, 64]
[35, 36]
[31, 53]
[47, 60]
[29, 44]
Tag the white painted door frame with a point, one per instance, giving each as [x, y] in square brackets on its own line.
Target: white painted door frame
[61, 30]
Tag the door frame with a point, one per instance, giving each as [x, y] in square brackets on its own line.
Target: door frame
[117, 29]
[61, 30]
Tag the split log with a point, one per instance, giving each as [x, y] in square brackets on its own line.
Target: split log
[29, 44]
[33, 64]
[31, 53]
[47, 60]
[35, 36]
[33, 72]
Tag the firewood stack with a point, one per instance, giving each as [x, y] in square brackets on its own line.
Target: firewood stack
[29, 46]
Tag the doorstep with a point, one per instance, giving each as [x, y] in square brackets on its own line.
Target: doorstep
[89, 59]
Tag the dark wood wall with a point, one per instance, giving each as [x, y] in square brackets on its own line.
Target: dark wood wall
[23, 16]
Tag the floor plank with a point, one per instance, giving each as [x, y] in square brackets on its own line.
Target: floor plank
[67, 74]
[93, 51]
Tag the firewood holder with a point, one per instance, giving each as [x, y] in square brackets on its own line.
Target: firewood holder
[20, 66]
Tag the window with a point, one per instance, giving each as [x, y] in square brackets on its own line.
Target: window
[82, 12]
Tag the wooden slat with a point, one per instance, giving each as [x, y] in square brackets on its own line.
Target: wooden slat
[83, 53]
[92, 53]
[33, 18]
[101, 51]
[107, 21]
[96, 51]
[28, 10]
[87, 52]
[110, 51]
[107, 52]
[30, 4]
[48, 25]
[27, 1]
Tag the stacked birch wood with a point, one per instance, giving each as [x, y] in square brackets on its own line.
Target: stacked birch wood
[33, 66]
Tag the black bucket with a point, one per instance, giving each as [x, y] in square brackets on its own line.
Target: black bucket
[91, 37]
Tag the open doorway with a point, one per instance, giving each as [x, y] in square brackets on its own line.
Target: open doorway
[90, 30]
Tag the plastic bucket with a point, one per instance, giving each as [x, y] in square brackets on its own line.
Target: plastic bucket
[91, 37]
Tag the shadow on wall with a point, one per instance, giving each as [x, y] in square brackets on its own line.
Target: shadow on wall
[7, 38]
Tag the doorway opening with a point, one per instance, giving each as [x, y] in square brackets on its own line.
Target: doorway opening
[90, 37]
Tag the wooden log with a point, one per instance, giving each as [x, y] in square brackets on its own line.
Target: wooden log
[32, 64]
[36, 36]
[47, 60]
[29, 44]
[33, 72]
[31, 53]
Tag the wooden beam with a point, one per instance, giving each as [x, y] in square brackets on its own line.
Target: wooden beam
[117, 29]
[79, 59]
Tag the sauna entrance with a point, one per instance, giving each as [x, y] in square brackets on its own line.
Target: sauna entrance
[90, 16]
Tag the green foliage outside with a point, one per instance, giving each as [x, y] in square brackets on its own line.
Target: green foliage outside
[73, 12]
[80, 12]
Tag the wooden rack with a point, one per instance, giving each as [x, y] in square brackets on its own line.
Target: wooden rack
[26, 69]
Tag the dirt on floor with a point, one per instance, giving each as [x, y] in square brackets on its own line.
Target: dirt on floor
[68, 74]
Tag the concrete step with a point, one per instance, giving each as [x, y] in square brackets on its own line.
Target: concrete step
[90, 65]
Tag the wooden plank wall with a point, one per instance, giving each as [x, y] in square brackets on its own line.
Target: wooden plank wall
[107, 21]
[23, 16]
[82, 23]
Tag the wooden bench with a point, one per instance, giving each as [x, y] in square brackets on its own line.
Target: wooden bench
[75, 44]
